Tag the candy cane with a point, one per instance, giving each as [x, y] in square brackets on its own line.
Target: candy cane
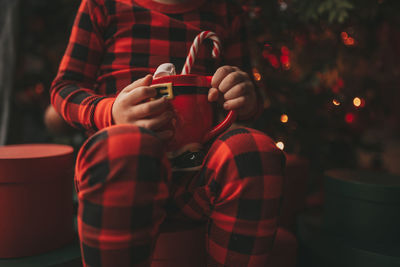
[195, 48]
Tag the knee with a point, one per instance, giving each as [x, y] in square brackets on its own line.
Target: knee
[247, 141]
[251, 152]
[120, 141]
[245, 163]
[119, 149]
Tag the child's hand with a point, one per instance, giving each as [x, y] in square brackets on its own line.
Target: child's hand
[131, 106]
[235, 89]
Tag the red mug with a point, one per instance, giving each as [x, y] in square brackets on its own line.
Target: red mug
[195, 114]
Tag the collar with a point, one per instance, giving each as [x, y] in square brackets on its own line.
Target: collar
[171, 8]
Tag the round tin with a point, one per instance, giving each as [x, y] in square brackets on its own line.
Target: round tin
[36, 183]
[362, 205]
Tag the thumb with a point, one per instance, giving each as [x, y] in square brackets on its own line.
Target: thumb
[145, 81]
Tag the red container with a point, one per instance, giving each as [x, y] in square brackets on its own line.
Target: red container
[36, 213]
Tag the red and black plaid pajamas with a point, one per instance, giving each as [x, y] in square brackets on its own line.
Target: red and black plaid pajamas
[124, 180]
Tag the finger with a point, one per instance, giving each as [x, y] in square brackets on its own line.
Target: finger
[151, 108]
[145, 81]
[235, 103]
[220, 74]
[213, 95]
[231, 80]
[156, 122]
[140, 94]
[238, 90]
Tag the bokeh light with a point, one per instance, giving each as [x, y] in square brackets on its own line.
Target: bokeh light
[284, 118]
[336, 102]
[280, 145]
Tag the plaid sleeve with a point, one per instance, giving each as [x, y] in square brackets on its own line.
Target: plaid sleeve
[237, 54]
[72, 92]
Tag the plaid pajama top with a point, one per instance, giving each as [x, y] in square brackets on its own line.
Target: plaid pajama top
[115, 42]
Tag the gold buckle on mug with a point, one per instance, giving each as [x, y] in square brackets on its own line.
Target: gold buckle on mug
[164, 89]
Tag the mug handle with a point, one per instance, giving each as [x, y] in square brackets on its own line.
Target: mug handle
[223, 125]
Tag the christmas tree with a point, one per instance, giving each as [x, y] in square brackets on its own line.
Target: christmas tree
[329, 74]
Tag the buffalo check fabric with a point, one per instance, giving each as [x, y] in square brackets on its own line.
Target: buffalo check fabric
[126, 190]
[115, 42]
[124, 181]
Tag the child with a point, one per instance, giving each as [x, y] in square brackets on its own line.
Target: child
[123, 178]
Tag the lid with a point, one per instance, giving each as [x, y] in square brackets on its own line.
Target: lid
[331, 250]
[34, 162]
[68, 255]
[363, 184]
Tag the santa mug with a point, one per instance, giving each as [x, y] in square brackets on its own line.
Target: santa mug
[195, 115]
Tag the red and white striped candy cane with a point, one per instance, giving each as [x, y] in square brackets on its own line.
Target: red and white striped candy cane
[195, 48]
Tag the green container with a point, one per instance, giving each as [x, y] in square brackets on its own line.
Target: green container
[362, 205]
[318, 248]
[67, 256]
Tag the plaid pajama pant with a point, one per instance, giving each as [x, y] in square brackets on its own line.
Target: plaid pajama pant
[124, 183]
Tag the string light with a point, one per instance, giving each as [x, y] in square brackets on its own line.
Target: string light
[280, 145]
[349, 118]
[285, 57]
[347, 40]
[268, 55]
[336, 102]
[284, 118]
[358, 102]
[256, 75]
